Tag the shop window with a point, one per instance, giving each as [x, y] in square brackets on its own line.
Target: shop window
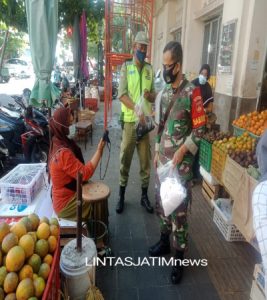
[177, 35]
[211, 43]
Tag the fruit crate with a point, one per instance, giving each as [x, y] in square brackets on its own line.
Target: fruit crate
[256, 293]
[52, 287]
[23, 183]
[205, 154]
[210, 192]
[253, 135]
[259, 276]
[226, 227]
[218, 163]
[238, 131]
[234, 178]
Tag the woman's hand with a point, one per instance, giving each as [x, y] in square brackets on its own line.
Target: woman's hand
[179, 155]
[156, 159]
[101, 146]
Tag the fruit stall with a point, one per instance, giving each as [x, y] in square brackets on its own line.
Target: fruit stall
[41, 256]
[30, 242]
[228, 165]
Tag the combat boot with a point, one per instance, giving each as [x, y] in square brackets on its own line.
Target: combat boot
[145, 202]
[162, 247]
[177, 270]
[120, 204]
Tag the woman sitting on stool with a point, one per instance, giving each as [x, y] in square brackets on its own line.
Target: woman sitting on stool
[65, 161]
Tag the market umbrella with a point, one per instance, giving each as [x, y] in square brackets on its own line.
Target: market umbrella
[83, 37]
[76, 48]
[42, 18]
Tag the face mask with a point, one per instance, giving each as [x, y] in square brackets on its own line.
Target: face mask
[140, 55]
[168, 75]
[202, 79]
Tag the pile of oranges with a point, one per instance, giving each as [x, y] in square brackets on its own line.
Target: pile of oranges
[255, 122]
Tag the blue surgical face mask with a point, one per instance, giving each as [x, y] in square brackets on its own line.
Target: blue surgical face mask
[140, 55]
[202, 79]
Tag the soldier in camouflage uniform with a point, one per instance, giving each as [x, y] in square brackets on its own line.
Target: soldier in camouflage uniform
[177, 140]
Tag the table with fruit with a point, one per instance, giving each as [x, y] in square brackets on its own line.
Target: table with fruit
[28, 252]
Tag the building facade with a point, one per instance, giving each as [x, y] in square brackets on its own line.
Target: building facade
[229, 35]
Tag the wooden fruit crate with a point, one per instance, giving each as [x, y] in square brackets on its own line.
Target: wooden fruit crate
[210, 192]
[256, 293]
[233, 178]
[218, 163]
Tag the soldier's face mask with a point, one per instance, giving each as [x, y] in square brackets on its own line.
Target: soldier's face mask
[168, 75]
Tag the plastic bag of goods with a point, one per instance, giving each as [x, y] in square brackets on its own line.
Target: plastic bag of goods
[172, 192]
[145, 124]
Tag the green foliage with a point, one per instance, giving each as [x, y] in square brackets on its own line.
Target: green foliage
[16, 43]
[13, 14]
[94, 11]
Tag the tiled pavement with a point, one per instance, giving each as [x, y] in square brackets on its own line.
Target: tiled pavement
[230, 265]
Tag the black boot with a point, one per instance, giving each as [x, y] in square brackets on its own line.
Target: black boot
[162, 247]
[145, 202]
[120, 204]
[177, 271]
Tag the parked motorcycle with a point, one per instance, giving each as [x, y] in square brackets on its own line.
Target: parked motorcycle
[115, 87]
[35, 141]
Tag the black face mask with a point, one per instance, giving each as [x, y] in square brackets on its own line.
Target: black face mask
[168, 75]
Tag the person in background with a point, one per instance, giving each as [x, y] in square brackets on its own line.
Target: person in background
[65, 160]
[205, 88]
[259, 203]
[181, 128]
[206, 92]
[65, 85]
[56, 77]
[136, 80]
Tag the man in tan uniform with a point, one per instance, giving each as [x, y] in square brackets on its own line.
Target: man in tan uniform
[136, 81]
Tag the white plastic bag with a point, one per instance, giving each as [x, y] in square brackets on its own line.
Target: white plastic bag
[172, 192]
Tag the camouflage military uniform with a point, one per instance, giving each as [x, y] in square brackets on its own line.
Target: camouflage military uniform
[185, 125]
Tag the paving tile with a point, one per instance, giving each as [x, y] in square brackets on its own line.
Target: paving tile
[139, 244]
[121, 244]
[127, 277]
[127, 294]
[158, 293]
[197, 292]
[106, 278]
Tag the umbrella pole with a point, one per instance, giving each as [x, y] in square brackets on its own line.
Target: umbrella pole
[79, 212]
[80, 92]
[49, 117]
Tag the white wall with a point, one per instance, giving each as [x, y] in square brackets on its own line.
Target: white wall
[166, 18]
[226, 83]
[257, 47]
[193, 41]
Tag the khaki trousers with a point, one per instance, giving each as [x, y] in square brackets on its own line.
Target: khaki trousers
[128, 145]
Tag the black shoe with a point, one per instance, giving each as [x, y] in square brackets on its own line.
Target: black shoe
[177, 271]
[120, 204]
[145, 202]
[162, 247]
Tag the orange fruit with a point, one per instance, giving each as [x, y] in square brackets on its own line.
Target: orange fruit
[43, 231]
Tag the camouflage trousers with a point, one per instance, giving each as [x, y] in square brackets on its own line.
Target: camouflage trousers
[176, 223]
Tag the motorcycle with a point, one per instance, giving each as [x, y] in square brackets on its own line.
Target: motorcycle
[115, 87]
[35, 141]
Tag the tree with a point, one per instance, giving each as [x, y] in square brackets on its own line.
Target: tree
[12, 14]
[94, 9]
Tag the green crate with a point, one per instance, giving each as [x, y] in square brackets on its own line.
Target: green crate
[205, 154]
[238, 131]
[253, 135]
